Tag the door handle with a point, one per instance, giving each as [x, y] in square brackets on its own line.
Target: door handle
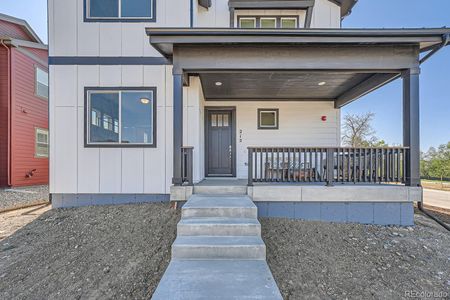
[230, 151]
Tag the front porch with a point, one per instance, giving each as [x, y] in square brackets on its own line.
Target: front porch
[301, 76]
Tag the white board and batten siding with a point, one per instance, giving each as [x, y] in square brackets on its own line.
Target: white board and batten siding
[75, 169]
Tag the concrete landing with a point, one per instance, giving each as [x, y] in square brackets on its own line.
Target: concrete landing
[217, 279]
[218, 252]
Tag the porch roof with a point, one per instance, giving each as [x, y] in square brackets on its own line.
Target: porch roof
[164, 39]
[337, 65]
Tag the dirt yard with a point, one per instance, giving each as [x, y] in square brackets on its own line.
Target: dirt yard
[109, 252]
[121, 252]
[313, 260]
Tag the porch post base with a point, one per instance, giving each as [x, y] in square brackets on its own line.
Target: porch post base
[177, 181]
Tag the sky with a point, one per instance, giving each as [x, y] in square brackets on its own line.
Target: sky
[385, 102]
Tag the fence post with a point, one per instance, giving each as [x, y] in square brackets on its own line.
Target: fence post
[330, 166]
[250, 167]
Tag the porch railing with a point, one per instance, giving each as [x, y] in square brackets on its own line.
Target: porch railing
[187, 165]
[327, 164]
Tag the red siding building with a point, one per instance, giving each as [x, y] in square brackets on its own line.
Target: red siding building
[23, 105]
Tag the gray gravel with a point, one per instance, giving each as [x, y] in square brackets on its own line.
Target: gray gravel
[20, 196]
[314, 260]
[121, 252]
[108, 252]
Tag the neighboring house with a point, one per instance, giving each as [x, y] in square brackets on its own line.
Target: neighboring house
[23, 105]
[150, 97]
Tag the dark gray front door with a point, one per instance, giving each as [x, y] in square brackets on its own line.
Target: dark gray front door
[219, 143]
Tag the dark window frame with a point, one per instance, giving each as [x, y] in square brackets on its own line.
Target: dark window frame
[277, 118]
[86, 118]
[36, 68]
[277, 17]
[88, 18]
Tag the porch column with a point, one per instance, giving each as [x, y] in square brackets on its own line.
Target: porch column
[177, 126]
[411, 125]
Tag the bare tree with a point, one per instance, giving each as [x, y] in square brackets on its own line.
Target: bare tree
[358, 131]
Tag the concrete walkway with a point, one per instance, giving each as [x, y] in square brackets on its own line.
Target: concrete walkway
[436, 198]
[218, 253]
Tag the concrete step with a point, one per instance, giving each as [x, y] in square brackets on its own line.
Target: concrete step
[204, 206]
[220, 190]
[217, 279]
[219, 227]
[223, 247]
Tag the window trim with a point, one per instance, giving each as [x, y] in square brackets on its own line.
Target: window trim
[86, 120]
[88, 18]
[36, 68]
[36, 155]
[277, 118]
[248, 18]
[276, 17]
[269, 18]
[289, 18]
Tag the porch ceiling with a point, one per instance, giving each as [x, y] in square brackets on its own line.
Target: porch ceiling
[262, 85]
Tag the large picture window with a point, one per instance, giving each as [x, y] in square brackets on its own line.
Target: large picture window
[121, 117]
[41, 83]
[120, 10]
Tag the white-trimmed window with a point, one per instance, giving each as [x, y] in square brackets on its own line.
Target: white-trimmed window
[41, 83]
[268, 118]
[41, 143]
[267, 22]
[118, 10]
[247, 22]
[95, 117]
[289, 22]
[127, 117]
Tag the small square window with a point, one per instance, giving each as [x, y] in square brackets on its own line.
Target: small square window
[41, 143]
[268, 118]
[247, 22]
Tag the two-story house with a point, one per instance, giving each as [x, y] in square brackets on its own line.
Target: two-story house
[159, 100]
[23, 105]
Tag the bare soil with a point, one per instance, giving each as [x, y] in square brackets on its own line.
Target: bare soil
[11, 221]
[121, 252]
[107, 252]
[314, 260]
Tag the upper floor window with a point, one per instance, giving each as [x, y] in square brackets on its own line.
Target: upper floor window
[268, 22]
[120, 10]
[41, 83]
[122, 117]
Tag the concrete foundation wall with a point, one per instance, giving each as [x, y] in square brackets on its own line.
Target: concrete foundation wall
[381, 213]
[76, 200]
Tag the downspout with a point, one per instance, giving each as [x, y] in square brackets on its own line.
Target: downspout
[445, 41]
[191, 20]
[9, 108]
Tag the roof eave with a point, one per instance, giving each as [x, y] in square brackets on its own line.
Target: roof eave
[163, 39]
